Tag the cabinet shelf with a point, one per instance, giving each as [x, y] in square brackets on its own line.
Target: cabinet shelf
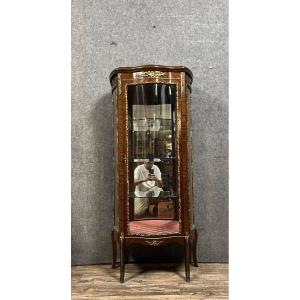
[160, 159]
[159, 197]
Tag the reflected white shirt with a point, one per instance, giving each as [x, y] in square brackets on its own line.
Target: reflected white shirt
[141, 172]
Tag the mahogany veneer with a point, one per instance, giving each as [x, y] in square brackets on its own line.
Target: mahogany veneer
[134, 90]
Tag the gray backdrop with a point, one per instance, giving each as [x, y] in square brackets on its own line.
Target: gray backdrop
[109, 34]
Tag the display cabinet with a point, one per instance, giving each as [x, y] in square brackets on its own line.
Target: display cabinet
[153, 187]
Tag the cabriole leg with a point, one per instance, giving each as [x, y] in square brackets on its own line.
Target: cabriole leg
[195, 239]
[187, 258]
[114, 249]
[122, 254]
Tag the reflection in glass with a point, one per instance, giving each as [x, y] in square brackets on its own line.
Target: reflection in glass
[152, 163]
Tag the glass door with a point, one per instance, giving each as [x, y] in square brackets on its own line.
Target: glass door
[152, 153]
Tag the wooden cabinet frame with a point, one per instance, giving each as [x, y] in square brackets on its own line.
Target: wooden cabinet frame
[120, 79]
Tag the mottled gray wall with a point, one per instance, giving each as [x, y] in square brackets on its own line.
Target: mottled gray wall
[109, 34]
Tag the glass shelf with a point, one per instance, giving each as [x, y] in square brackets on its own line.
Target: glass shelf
[160, 159]
[158, 197]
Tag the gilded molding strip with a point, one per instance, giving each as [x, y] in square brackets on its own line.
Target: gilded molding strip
[151, 74]
[182, 75]
[170, 236]
[115, 158]
[154, 242]
[119, 85]
[178, 122]
[126, 160]
[150, 234]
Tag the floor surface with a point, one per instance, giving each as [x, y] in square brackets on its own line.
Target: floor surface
[149, 281]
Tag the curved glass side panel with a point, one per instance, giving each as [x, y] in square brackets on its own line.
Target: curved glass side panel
[190, 157]
[115, 161]
[152, 152]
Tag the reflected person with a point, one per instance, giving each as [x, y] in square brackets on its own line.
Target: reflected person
[148, 183]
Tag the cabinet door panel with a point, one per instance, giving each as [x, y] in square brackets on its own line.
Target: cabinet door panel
[152, 151]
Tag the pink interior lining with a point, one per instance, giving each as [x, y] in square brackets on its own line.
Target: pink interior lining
[154, 226]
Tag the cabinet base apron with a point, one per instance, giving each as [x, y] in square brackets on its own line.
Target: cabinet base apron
[188, 241]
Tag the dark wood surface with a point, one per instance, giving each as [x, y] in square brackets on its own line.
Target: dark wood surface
[142, 68]
[121, 238]
[150, 281]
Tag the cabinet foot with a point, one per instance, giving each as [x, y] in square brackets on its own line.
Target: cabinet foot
[122, 254]
[187, 258]
[114, 248]
[194, 247]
